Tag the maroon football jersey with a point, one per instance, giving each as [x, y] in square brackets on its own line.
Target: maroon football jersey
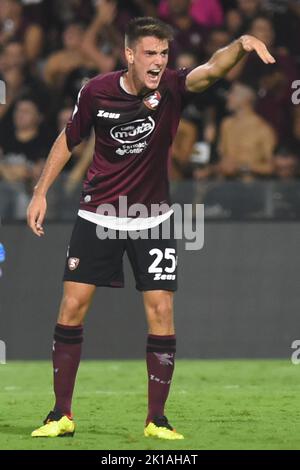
[133, 135]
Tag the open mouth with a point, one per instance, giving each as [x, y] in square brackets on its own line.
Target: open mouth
[154, 74]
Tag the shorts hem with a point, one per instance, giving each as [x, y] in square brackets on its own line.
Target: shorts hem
[156, 287]
[94, 283]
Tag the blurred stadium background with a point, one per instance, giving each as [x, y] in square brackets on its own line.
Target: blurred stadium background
[237, 151]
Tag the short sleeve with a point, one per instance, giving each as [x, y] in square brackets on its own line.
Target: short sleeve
[80, 124]
[181, 78]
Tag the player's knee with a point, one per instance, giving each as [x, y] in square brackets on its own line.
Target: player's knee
[162, 312]
[72, 310]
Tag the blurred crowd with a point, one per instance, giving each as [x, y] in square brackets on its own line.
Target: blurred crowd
[246, 127]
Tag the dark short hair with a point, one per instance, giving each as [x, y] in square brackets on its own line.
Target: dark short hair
[147, 26]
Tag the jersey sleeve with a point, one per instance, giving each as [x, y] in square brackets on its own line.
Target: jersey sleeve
[80, 124]
[181, 80]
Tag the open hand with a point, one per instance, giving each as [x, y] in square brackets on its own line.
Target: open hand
[250, 43]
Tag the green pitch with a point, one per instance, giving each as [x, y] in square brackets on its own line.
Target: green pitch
[215, 404]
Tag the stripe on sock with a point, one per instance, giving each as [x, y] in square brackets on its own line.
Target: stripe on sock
[68, 331]
[168, 342]
[159, 349]
[63, 339]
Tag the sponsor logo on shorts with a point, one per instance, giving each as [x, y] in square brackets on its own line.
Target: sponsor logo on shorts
[133, 131]
[73, 263]
[169, 255]
[164, 277]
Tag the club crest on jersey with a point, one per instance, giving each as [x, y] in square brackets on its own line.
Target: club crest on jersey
[73, 263]
[152, 101]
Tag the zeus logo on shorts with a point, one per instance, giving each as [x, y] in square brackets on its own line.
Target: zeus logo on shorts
[133, 131]
[73, 263]
[164, 277]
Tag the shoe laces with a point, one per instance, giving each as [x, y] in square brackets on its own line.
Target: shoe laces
[162, 422]
[54, 415]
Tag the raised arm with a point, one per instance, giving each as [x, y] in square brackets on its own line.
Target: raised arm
[103, 22]
[224, 60]
[58, 157]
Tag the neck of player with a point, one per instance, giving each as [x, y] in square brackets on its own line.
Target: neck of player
[133, 85]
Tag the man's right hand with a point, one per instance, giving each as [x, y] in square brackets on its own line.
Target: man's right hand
[36, 213]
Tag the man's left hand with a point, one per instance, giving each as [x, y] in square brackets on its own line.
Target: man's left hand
[250, 43]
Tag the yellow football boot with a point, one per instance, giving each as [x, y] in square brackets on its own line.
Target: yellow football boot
[161, 428]
[55, 425]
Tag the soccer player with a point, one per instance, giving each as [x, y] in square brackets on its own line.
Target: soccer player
[135, 114]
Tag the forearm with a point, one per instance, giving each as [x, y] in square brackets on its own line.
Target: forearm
[93, 31]
[33, 42]
[89, 43]
[225, 59]
[58, 157]
[219, 64]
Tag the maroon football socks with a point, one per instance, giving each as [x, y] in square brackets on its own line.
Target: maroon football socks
[160, 364]
[66, 357]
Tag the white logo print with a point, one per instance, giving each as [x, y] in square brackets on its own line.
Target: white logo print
[73, 263]
[121, 152]
[107, 114]
[164, 359]
[158, 380]
[133, 131]
[153, 100]
[161, 274]
[132, 149]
